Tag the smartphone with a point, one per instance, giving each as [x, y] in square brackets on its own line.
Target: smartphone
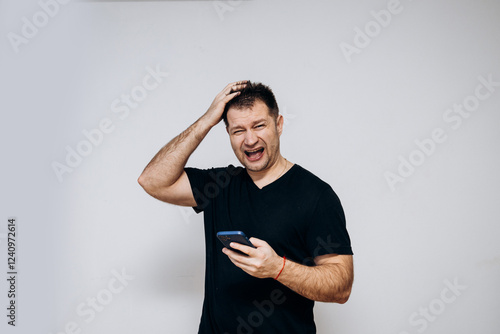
[226, 237]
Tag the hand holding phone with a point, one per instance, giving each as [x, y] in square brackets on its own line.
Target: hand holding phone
[226, 237]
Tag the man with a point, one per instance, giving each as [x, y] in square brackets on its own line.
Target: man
[303, 252]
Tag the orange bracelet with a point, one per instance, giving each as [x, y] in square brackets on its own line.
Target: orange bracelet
[284, 259]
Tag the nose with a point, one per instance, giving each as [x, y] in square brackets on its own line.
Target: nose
[250, 138]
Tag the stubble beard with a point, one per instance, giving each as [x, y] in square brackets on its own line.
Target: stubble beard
[256, 168]
[264, 164]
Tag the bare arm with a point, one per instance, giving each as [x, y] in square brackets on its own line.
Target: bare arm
[330, 280]
[164, 177]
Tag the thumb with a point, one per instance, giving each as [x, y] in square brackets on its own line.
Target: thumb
[258, 242]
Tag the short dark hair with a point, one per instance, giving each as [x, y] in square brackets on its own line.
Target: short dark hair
[248, 96]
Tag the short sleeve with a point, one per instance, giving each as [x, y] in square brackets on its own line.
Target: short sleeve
[327, 232]
[198, 179]
[206, 184]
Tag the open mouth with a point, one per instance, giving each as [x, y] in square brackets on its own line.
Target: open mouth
[254, 155]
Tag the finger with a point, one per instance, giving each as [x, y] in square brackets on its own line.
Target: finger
[244, 263]
[242, 248]
[239, 86]
[235, 86]
[236, 258]
[258, 242]
[243, 266]
[241, 82]
[231, 257]
[232, 253]
[230, 95]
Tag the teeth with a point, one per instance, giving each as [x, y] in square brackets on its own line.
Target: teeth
[254, 150]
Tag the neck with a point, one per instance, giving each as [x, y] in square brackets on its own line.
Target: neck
[271, 174]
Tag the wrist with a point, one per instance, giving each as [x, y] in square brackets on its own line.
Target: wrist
[209, 119]
[206, 122]
[202, 127]
[281, 267]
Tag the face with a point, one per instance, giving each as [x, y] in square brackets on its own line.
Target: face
[254, 136]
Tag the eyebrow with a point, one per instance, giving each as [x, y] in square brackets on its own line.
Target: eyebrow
[231, 128]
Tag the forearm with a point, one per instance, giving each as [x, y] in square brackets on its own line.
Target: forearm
[329, 282]
[168, 164]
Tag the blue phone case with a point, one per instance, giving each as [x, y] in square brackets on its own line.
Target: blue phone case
[226, 237]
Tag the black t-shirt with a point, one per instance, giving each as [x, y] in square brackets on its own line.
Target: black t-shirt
[299, 215]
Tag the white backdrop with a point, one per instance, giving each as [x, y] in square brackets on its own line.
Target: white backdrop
[394, 103]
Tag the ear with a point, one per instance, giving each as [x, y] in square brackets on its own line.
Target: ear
[279, 124]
